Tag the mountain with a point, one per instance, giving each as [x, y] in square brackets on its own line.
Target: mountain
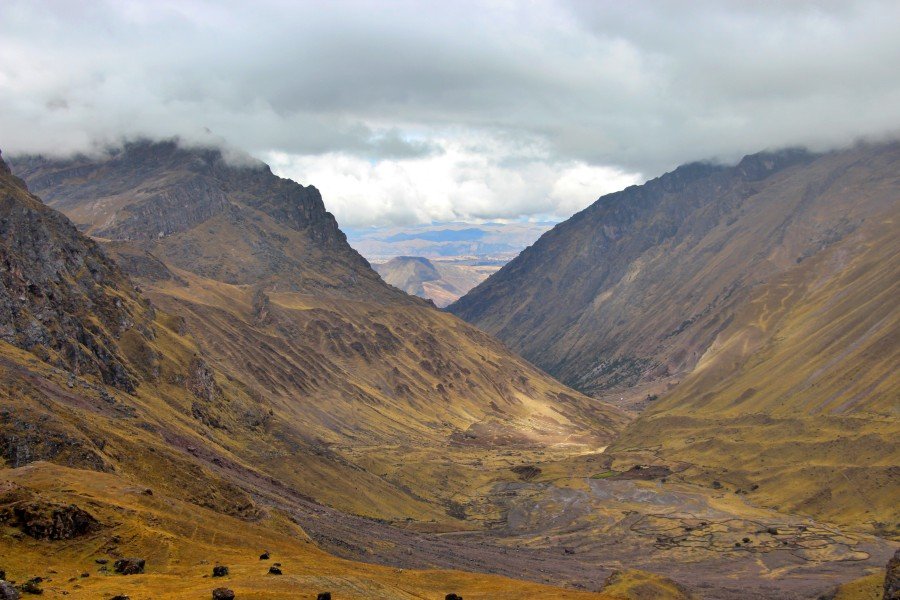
[328, 420]
[125, 430]
[227, 219]
[441, 281]
[757, 301]
[334, 362]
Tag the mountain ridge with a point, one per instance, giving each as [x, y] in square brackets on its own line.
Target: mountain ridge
[698, 298]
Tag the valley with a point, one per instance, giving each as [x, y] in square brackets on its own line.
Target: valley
[244, 381]
[371, 300]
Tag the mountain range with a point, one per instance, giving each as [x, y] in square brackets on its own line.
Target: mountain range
[199, 371]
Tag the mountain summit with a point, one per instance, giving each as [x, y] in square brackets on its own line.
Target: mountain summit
[195, 209]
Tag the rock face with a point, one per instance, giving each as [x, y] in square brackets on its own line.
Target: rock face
[8, 591]
[892, 578]
[60, 296]
[195, 208]
[47, 521]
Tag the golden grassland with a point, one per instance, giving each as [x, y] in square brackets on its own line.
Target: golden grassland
[796, 403]
[410, 394]
[181, 542]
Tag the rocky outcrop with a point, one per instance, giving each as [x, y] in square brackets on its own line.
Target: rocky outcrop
[892, 578]
[47, 520]
[129, 566]
[61, 298]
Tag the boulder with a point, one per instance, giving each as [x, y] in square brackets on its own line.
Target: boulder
[453, 597]
[264, 555]
[48, 521]
[220, 571]
[274, 571]
[8, 591]
[32, 586]
[892, 578]
[129, 566]
[324, 596]
[222, 594]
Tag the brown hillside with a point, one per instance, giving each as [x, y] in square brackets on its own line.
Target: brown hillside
[762, 296]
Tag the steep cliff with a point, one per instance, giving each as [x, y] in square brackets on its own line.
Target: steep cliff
[229, 219]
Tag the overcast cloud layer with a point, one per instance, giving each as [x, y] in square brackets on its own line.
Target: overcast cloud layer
[406, 112]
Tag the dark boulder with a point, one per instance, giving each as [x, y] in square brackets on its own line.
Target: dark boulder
[526, 472]
[324, 596]
[264, 555]
[274, 571]
[220, 571]
[892, 578]
[8, 591]
[32, 586]
[222, 594]
[453, 597]
[47, 521]
[129, 566]
[120, 597]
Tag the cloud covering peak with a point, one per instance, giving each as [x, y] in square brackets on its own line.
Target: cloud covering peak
[417, 111]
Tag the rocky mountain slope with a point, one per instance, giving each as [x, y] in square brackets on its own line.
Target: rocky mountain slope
[284, 312]
[295, 414]
[758, 301]
[125, 432]
[61, 298]
[231, 220]
[442, 282]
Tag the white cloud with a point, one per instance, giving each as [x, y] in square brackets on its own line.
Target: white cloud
[465, 181]
[455, 108]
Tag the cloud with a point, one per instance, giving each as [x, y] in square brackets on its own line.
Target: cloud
[463, 182]
[486, 98]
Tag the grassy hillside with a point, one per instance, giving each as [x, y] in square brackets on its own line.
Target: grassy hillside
[181, 543]
[796, 401]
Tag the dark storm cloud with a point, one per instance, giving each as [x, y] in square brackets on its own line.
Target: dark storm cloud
[637, 86]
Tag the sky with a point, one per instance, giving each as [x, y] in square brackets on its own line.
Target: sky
[415, 112]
